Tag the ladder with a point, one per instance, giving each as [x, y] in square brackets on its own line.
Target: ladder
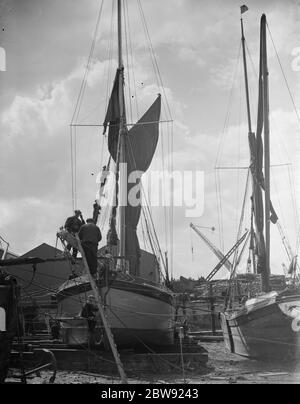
[77, 244]
[103, 314]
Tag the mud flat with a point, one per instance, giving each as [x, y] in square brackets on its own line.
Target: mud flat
[222, 368]
[226, 368]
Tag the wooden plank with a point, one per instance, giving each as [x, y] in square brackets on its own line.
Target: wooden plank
[103, 314]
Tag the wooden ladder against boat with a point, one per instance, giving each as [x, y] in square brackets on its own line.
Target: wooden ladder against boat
[103, 314]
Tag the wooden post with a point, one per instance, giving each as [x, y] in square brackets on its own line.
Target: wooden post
[102, 314]
[212, 309]
[265, 78]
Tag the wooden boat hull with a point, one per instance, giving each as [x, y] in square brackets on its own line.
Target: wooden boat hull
[138, 313]
[6, 341]
[8, 323]
[269, 330]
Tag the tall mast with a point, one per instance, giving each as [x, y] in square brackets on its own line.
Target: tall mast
[265, 72]
[122, 160]
[120, 42]
[244, 9]
[246, 79]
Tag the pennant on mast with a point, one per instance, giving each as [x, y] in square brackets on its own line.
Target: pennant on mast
[244, 8]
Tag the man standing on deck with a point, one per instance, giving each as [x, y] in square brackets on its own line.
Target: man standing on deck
[90, 236]
[73, 225]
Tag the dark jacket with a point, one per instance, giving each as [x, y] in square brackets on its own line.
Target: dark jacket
[73, 224]
[89, 311]
[90, 233]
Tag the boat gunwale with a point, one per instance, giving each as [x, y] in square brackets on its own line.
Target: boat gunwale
[155, 292]
[243, 315]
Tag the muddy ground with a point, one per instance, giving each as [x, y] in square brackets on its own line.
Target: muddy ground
[222, 368]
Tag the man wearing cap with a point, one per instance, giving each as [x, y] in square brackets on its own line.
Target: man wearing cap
[73, 225]
[90, 236]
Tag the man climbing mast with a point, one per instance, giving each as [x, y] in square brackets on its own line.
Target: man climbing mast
[96, 211]
[103, 179]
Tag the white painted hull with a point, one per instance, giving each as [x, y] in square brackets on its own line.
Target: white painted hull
[134, 317]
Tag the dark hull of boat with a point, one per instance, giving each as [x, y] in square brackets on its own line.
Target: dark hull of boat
[5, 349]
[269, 332]
[74, 332]
[8, 323]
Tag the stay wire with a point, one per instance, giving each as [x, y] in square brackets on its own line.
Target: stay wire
[284, 76]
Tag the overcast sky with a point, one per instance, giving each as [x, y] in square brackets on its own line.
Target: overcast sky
[196, 42]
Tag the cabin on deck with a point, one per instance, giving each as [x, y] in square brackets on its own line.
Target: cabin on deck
[149, 269]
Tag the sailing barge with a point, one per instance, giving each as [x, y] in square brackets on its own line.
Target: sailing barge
[268, 326]
[139, 311]
[8, 320]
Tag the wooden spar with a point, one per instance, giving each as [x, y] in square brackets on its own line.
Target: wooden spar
[120, 43]
[246, 79]
[249, 131]
[102, 314]
[122, 161]
[5, 250]
[265, 73]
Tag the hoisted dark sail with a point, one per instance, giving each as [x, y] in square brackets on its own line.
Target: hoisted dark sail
[141, 142]
[113, 119]
[113, 116]
[140, 145]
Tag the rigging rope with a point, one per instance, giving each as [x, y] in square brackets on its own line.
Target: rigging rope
[164, 188]
[126, 23]
[169, 237]
[192, 246]
[284, 76]
[154, 58]
[295, 109]
[132, 63]
[220, 150]
[241, 222]
[293, 194]
[77, 112]
[145, 345]
[109, 56]
[147, 206]
[239, 157]
[171, 165]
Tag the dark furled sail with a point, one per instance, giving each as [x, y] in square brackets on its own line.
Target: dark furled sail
[256, 167]
[141, 142]
[140, 145]
[113, 117]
